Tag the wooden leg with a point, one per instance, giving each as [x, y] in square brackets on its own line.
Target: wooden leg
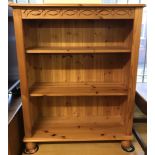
[127, 146]
[31, 148]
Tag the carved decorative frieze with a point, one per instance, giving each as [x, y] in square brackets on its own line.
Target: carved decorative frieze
[77, 13]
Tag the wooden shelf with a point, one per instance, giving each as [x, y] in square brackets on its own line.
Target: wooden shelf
[77, 89]
[55, 50]
[60, 130]
[75, 63]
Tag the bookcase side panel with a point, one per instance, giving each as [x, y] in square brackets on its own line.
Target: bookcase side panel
[129, 106]
[22, 70]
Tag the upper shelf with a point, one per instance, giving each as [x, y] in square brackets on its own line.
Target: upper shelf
[78, 89]
[78, 50]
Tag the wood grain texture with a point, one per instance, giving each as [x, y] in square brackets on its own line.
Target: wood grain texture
[78, 13]
[62, 50]
[111, 35]
[99, 68]
[78, 76]
[129, 107]
[83, 108]
[22, 70]
[77, 89]
[64, 130]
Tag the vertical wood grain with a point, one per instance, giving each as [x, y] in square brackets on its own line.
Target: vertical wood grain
[106, 68]
[103, 68]
[22, 70]
[78, 33]
[129, 107]
[79, 108]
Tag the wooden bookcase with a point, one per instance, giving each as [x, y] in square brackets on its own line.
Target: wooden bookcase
[77, 66]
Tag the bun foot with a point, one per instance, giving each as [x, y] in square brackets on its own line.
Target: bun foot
[127, 146]
[31, 148]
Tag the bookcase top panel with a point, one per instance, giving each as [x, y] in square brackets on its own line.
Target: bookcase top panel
[75, 5]
[77, 11]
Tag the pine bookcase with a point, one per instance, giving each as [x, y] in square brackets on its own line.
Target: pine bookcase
[77, 66]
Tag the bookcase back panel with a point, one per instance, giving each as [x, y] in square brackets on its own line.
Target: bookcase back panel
[78, 33]
[104, 68]
[78, 108]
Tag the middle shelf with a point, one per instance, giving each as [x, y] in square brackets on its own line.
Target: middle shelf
[76, 49]
[78, 89]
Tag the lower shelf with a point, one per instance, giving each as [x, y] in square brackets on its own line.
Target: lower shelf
[78, 89]
[71, 131]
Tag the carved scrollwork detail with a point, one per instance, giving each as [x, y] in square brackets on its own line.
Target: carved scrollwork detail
[78, 12]
[52, 12]
[87, 12]
[104, 12]
[32, 12]
[70, 12]
[115, 12]
[26, 12]
[124, 12]
[36, 12]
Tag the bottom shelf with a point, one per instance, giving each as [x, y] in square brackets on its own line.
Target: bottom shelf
[73, 131]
